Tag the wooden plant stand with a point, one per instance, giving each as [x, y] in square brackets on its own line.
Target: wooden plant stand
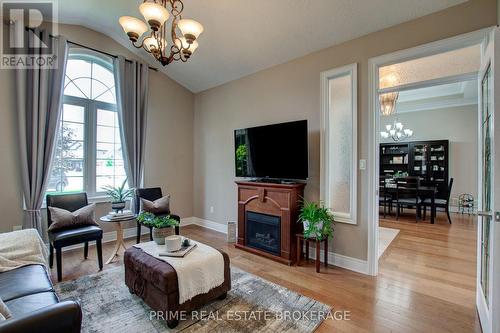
[301, 239]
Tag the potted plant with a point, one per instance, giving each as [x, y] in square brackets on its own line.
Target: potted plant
[118, 195]
[317, 220]
[160, 225]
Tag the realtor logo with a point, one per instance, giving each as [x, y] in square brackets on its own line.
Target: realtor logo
[26, 34]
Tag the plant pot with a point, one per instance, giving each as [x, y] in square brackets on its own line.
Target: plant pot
[118, 205]
[319, 227]
[160, 234]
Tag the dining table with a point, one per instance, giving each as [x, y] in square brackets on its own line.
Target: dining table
[424, 192]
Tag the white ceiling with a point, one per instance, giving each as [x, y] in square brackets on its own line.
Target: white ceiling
[242, 37]
[438, 97]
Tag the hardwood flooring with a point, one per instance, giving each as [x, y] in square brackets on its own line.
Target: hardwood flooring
[426, 279]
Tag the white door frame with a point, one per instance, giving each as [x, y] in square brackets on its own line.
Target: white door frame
[445, 45]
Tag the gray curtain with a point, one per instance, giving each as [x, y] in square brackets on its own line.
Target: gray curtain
[39, 96]
[132, 80]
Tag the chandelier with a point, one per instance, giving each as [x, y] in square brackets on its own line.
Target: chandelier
[388, 100]
[156, 14]
[396, 131]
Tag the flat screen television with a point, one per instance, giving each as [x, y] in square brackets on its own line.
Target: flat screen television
[277, 151]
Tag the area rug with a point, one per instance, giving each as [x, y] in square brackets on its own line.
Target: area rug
[253, 305]
[385, 238]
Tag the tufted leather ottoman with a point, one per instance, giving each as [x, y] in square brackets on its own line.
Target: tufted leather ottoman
[155, 281]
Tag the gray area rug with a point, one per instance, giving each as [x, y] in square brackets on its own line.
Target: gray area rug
[253, 305]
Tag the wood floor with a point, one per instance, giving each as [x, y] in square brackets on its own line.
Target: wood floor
[426, 281]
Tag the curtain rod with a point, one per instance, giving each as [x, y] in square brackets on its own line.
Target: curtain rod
[103, 52]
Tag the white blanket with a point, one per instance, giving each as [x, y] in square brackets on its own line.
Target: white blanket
[21, 248]
[198, 272]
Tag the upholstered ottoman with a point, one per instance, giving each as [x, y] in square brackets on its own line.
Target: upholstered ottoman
[155, 281]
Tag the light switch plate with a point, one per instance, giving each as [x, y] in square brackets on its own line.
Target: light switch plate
[362, 164]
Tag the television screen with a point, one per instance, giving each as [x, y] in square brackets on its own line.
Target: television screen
[272, 151]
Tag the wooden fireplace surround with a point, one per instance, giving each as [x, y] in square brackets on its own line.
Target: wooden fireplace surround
[282, 200]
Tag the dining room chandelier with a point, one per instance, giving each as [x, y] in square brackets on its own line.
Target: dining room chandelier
[166, 43]
[396, 131]
[388, 100]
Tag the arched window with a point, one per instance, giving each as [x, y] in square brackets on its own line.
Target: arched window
[88, 153]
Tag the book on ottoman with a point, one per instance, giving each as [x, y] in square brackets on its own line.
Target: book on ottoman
[184, 250]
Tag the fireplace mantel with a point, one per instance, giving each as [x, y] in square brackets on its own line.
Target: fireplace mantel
[280, 200]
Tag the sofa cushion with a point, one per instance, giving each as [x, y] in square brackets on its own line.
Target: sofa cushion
[24, 281]
[26, 304]
[4, 311]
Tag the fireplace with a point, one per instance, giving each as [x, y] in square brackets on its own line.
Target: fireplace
[264, 232]
[267, 219]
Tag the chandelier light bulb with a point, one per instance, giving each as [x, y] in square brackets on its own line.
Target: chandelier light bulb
[190, 29]
[133, 27]
[187, 49]
[151, 44]
[399, 126]
[155, 14]
[388, 127]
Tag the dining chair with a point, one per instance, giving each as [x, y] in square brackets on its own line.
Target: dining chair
[407, 195]
[70, 236]
[385, 198]
[151, 194]
[440, 203]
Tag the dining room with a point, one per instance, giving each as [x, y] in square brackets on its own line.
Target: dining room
[427, 151]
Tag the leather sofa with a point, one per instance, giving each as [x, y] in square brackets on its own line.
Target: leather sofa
[28, 293]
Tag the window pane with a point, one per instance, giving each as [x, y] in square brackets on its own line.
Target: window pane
[98, 89]
[109, 164]
[83, 84]
[73, 131]
[104, 75]
[105, 134]
[108, 96]
[70, 89]
[73, 113]
[68, 163]
[106, 118]
[76, 68]
[461, 61]
[105, 150]
[74, 184]
[340, 144]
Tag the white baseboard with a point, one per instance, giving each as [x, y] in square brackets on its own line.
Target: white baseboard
[209, 224]
[340, 260]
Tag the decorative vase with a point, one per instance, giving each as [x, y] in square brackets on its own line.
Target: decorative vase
[159, 235]
[319, 228]
[118, 206]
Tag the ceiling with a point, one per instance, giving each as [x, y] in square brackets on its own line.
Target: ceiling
[438, 97]
[242, 37]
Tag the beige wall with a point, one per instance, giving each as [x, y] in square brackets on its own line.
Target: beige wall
[292, 91]
[460, 130]
[169, 146]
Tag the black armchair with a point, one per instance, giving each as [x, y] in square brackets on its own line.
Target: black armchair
[151, 194]
[71, 236]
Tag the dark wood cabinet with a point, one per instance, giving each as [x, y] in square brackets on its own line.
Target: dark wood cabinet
[427, 160]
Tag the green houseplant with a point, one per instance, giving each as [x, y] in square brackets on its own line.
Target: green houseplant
[118, 195]
[317, 220]
[161, 225]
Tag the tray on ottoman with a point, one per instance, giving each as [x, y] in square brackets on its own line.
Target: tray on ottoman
[155, 281]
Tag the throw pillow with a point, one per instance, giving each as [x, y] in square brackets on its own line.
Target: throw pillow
[4, 311]
[62, 218]
[157, 207]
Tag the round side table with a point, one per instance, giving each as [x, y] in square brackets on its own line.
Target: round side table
[119, 234]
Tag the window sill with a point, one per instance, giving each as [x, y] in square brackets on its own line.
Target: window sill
[97, 199]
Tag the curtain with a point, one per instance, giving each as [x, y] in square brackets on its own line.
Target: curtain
[39, 94]
[132, 80]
